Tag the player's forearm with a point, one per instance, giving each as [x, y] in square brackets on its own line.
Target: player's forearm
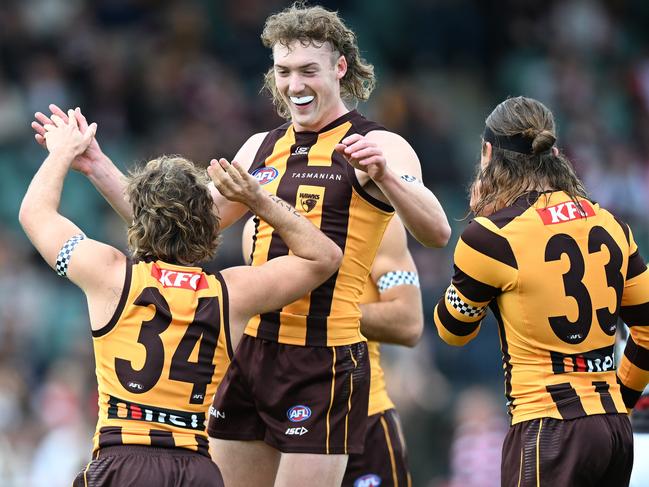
[44, 193]
[298, 233]
[391, 322]
[111, 184]
[633, 371]
[417, 206]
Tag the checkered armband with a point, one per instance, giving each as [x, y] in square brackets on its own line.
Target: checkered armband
[462, 306]
[63, 259]
[397, 278]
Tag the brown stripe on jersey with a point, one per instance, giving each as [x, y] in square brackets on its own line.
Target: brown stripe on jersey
[110, 435]
[638, 356]
[120, 305]
[629, 396]
[269, 323]
[504, 347]
[452, 324]
[225, 306]
[502, 217]
[162, 438]
[567, 401]
[637, 315]
[203, 445]
[489, 243]
[625, 229]
[602, 387]
[472, 288]
[636, 265]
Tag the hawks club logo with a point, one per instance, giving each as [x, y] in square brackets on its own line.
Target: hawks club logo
[265, 174]
[298, 413]
[308, 201]
[369, 480]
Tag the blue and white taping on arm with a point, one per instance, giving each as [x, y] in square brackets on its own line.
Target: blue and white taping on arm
[397, 278]
[63, 259]
[462, 306]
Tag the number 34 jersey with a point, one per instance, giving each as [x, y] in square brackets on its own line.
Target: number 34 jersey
[160, 358]
[556, 277]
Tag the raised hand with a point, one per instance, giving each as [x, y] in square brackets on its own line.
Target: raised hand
[83, 162]
[363, 155]
[234, 183]
[67, 136]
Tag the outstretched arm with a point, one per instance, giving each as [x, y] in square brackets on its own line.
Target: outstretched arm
[93, 163]
[95, 267]
[393, 166]
[397, 317]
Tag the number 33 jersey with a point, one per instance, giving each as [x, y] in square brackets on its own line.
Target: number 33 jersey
[557, 276]
[160, 358]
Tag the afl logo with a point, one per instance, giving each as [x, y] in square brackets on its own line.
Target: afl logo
[369, 480]
[298, 414]
[265, 174]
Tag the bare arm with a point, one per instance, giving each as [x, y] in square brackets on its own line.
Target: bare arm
[111, 183]
[398, 316]
[95, 267]
[93, 163]
[282, 280]
[393, 166]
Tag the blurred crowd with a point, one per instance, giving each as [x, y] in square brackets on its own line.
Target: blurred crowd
[184, 77]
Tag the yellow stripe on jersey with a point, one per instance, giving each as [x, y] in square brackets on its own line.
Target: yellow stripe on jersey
[161, 357]
[556, 286]
[322, 185]
[320, 153]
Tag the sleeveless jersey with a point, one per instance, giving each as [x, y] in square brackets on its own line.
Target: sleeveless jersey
[303, 169]
[379, 399]
[556, 278]
[160, 358]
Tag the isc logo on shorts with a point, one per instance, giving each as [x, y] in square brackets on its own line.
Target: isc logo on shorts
[369, 480]
[299, 431]
[298, 413]
[265, 174]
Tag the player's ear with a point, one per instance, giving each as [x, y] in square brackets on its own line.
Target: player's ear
[485, 154]
[341, 67]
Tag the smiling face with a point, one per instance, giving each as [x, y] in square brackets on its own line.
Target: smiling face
[308, 80]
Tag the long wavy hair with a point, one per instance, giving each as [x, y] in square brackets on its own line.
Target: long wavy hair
[173, 212]
[511, 174]
[318, 26]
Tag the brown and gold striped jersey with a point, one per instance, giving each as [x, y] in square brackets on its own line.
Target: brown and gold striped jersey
[160, 358]
[303, 169]
[379, 399]
[557, 275]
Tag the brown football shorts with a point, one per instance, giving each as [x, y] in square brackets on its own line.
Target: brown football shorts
[591, 451]
[384, 461]
[297, 399]
[139, 465]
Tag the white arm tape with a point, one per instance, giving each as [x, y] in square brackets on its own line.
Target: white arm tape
[397, 278]
[63, 259]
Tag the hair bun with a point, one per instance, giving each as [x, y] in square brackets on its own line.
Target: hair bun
[543, 141]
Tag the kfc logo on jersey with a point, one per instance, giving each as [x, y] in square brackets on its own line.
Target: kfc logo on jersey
[308, 201]
[298, 413]
[265, 174]
[369, 480]
[183, 280]
[565, 212]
